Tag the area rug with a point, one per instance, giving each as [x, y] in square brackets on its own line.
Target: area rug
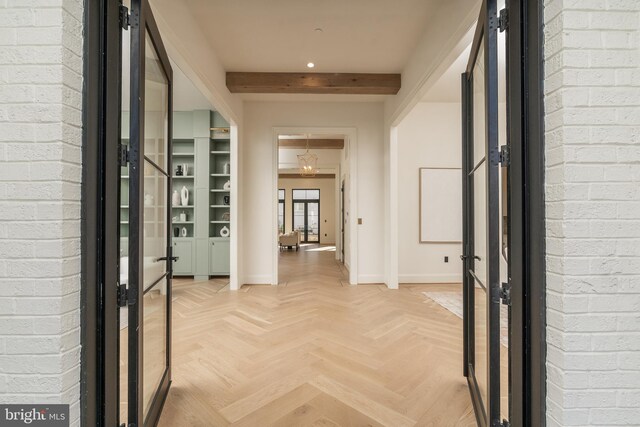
[452, 301]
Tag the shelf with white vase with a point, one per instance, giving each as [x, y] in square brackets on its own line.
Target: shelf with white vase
[220, 183]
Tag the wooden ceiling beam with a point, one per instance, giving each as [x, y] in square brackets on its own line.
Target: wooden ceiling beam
[336, 144]
[317, 83]
[298, 176]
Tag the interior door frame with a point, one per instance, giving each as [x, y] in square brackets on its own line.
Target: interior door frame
[99, 386]
[525, 81]
[342, 218]
[143, 22]
[283, 202]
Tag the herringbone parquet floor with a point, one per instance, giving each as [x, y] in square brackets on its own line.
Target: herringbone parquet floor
[314, 351]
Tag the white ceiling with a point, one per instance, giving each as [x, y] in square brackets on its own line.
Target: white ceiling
[374, 36]
[448, 86]
[185, 95]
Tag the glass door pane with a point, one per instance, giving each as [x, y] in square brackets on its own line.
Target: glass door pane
[482, 217]
[505, 310]
[299, 219]
[480, 228]
[123, 265]
[313, 222]
[155, 225]
[149, 221]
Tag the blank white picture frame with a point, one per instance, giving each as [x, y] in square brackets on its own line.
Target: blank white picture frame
[440, 205]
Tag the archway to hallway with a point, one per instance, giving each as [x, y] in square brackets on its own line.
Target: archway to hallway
[312, 228]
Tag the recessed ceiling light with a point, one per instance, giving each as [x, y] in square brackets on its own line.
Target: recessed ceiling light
[318, 30]
[311, 65]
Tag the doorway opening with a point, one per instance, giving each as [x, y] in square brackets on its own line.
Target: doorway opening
[310, 206]
[306, 214]
[242, 324]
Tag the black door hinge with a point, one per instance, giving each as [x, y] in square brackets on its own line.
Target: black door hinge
[505, 156]
[505, 293]
[123, 155]
[123, 295]
[124, 17]
[503, 20]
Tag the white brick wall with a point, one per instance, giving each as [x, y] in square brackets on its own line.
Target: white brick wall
[41, 46]
[592, 101]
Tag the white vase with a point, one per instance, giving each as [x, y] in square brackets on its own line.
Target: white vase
[227, 168]
[227, 185]
[184, 196]
[175, 198]
[184, 232]
[224, 231]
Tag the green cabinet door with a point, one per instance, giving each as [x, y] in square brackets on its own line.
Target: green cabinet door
[184, 250]
[219, 256]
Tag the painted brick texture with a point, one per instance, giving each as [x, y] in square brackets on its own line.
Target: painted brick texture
[592, 102]
[41, 47]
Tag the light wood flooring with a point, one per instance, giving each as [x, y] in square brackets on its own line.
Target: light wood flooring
[314, 351]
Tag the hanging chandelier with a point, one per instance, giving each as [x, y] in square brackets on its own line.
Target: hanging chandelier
[308, 162]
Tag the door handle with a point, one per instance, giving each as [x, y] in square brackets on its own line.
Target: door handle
[164, 258]
[463, 257]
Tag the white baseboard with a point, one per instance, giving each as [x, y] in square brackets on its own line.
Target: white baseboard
[257, 279]
[430, 278]
[370, 278]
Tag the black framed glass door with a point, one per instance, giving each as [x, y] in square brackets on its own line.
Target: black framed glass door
[146, 371]
[485, 361]
[306, 215]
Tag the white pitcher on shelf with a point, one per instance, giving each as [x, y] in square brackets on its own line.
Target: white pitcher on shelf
[184, 196]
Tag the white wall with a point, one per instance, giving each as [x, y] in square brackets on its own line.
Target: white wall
[258, 171]
[592, 145]
[327, 158]
[445, 36]
[328, 208]
[40, 175]
[428, 137]
[189, 48]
